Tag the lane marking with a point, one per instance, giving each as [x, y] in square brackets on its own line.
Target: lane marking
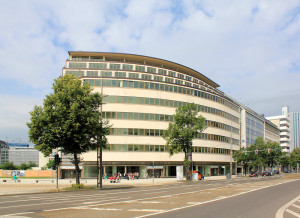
[213, 200]
[281, 210]
[293, 213]
[96, 208]
[294, 205]
[158, 197]
[145, 210]
[92, 202]
[53, 202]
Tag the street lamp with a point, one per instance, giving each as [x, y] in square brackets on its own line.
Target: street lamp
[99, 144]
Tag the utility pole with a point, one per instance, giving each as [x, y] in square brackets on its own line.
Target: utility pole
[231, 150]
[153, 171]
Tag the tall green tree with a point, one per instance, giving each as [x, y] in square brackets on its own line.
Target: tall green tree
[69, 120]
[260, 154]
[295, 157]
[179, 135]
[241, 157]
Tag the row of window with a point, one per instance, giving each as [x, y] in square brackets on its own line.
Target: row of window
[139, 68]
[160, 132]
[166, 103]
[256, 124]
[160, 87]
[147, 77]
[163, 148]
[130, 67]
[160, 117]
[253, 132]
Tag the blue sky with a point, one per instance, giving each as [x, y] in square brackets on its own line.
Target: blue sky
[250, 48]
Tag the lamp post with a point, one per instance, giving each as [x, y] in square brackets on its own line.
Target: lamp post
[99, 146]
[231, 150]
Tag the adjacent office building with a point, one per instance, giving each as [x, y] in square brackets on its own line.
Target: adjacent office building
[141, 95]
[3, 152]
[18, 153]
[295, 130]
[283, 123]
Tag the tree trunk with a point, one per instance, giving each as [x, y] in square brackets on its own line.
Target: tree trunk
[76, 163]
[187, 166]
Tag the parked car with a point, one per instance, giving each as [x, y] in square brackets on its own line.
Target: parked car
[276, 171]
[265, 173]
[286, 171]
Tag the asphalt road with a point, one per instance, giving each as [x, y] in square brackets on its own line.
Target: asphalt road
[251, 197]
[263, 203]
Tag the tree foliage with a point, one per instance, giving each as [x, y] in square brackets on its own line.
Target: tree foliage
[68, 120]
[187, 124]
[51, 165]
[260, 154]
[295, 157]
[23, 166]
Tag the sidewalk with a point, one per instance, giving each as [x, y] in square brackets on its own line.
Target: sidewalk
[26, 186]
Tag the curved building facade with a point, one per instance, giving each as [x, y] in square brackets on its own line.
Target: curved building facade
[141, 95]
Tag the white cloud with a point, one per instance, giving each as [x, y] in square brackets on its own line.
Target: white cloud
[250, 48]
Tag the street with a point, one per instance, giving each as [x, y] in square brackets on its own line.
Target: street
[249, 197]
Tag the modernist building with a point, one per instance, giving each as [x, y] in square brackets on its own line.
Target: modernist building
[141, 95]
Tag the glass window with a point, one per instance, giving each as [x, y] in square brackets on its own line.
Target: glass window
[130, 131]
[113, 148]
[151, 147]
[151, 70]
[134, 75]
[130, 147]
[147, 147]
[125, 147]
[127, 67]
[141, 132]
[140, 68]
[119, 115]
[120, 74]
[162, 72]
[77, 65]
[115, 66]
[157, 148]
[141, 147]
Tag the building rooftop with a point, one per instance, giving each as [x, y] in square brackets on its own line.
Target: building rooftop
[149, 61]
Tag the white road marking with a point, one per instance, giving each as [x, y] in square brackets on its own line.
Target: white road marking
[213, 200]
[293, 213]
[95, 208]
[145, 210]
[154, 198]
[295, 205]
[153, 192]
[92, 202]
[281, 210]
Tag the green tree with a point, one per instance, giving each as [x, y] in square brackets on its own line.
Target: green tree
[241, 157]
[274, 154]
[179, 135]
[23, 166]
[9, 166]
[68, 120]
[51, 165]
[295, 157]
